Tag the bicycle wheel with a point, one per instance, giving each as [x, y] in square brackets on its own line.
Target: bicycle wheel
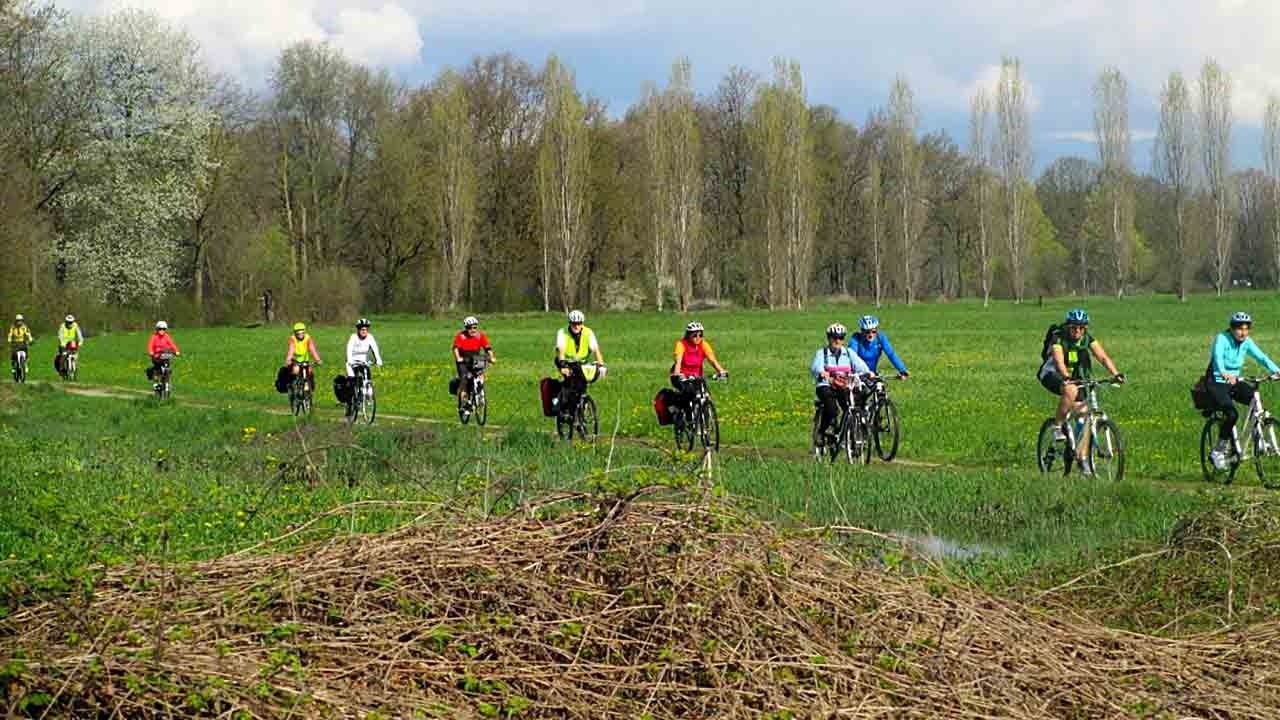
[681, 430]
[709, 428]
[886, 429]
[369, 406]
[482, 407]
[1266, 453]
[73, 368]
[1050, 452]
[1209, 438]
[565, 419]
[588, 420]
[857, 439]
[1106, 451]
[295, 398]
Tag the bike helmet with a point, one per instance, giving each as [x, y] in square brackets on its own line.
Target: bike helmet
[19, 318]
[576, 316]
[1241, 318]
[162, 325]
[837, 330]
[1077, 316]
[868, 322]
[693, 327]
[70, 318]
[470, 321]
[362, 323]
[299, 327]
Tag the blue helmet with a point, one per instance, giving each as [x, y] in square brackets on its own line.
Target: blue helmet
[868, 322]
[1077, 316]
[1241, 318]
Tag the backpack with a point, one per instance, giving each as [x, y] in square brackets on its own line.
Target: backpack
[1050, 335]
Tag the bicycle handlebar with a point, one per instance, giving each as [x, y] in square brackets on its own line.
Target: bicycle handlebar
[1117, 379]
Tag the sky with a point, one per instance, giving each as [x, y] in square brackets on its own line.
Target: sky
[849, 50]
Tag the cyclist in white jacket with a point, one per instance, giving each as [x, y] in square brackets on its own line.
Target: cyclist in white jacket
[362, 349]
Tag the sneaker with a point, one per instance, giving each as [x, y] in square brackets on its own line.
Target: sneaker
[1219, 459]
[1059, 433]
[1086, 467]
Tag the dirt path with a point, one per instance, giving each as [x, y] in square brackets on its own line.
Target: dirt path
[741, 451]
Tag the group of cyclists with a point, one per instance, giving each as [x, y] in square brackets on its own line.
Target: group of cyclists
[844, 362]
[20, 339]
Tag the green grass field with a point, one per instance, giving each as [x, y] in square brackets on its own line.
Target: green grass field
[95, 479]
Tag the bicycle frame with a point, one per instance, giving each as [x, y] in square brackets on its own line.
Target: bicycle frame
[1253, 423]
[1092, 415]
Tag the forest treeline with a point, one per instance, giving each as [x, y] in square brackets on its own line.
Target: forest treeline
[136, 178]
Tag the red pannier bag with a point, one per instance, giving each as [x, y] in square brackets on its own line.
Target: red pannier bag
[662, 405]
[550, 389]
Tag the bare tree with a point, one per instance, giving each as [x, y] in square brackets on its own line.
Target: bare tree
[785, 151]
[903, 122]
[1215, 157]
[1013, 160]
[1271, 157]
[660, 246]
[563, 171]
[1174, 162]
[1111, 125]
[875, 200]
[979, 153]
[453, 145]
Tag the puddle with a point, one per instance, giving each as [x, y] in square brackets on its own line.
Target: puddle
[943, 549]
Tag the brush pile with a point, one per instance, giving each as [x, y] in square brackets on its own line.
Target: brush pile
[640, 610]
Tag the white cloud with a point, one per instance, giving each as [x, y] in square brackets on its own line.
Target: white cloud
[386, 36]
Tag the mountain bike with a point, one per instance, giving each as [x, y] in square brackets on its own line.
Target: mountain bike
[162, 382]
[698, 421]
[476, 402]
[581, 416]
[300, 390]
[1261, 442]
[1106, 449]
[362, 406]
[852, 435]
[19, 364]
[882, 417]
[70, 368]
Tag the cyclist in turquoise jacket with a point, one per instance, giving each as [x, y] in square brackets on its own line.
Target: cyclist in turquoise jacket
[1226, 360]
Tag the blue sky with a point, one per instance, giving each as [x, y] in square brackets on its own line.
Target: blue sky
[849, 51]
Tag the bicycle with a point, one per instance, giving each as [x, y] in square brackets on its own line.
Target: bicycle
[701, 421]
[19, 364]
[1106, 449]
[300, 390]
[852, 432]
[476, 403]
[163, 386]
[1263, 442]
[582, 417]
[883, 420]
[362, 406]
[70, 368]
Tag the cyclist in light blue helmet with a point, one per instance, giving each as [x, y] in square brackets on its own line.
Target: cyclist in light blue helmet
[1226, 360]
[870, 344]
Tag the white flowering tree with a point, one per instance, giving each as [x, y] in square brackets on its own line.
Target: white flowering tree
[144, 157]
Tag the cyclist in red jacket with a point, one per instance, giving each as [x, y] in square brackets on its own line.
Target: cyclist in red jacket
[160, 343]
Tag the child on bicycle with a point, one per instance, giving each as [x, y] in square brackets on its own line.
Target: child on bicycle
[834, 367]
[1070, 358]
[1226, 360]
[469, 345]
[690, 352]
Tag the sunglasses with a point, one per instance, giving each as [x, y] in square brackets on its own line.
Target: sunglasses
[836, 337]
[695, 334]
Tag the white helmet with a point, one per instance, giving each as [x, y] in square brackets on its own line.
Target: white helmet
[162, 325]
[470, 321]
[19, 318]
[837, 330]
[70, 318]
[693, 327]
[576, 316]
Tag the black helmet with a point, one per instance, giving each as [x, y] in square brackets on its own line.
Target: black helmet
[362, 323]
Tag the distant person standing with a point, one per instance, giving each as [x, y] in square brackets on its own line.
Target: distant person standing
[268, 307]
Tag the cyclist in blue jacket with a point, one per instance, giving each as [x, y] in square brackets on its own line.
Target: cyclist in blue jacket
[870, 344]
[1226, 360]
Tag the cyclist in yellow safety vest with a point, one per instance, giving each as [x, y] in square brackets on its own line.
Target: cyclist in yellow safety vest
[574, 345]
[69, 339]
[19, 338]
[302, 348]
